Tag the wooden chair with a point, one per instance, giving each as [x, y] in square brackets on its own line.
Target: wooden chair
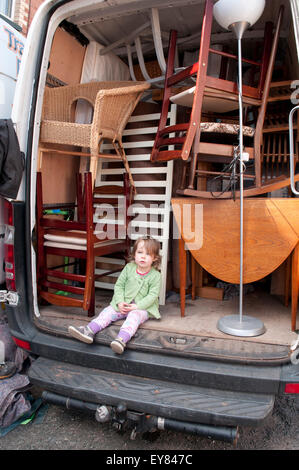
[113, 104]
[81, 240]
[212, 93]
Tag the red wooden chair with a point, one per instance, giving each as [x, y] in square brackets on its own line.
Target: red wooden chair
[81, 240]
[212, 93]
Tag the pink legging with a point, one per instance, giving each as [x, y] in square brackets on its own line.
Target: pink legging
[132, 321]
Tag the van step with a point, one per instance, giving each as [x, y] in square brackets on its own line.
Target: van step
[156, 397]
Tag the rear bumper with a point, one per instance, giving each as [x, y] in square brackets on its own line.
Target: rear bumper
[212, 392]
[152, 396]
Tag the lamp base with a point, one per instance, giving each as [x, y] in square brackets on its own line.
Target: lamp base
[232, 325]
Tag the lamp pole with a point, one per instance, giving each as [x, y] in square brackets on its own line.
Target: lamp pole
[239, 29]
[238, 325]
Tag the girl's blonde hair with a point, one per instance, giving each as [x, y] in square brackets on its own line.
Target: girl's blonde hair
[152, 247]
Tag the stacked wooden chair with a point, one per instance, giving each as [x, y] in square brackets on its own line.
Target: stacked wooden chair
[196, 141]
[81, 240]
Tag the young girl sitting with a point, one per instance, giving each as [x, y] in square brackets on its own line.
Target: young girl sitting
[135, 299]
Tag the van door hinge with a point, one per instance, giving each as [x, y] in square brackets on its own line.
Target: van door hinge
[12, 298]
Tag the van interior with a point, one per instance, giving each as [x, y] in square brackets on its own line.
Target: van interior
[116, 46]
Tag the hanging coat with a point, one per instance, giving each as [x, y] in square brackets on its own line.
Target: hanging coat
[11, 160]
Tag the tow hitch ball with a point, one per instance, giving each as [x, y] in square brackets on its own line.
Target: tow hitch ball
[117, 416]
[123, 419]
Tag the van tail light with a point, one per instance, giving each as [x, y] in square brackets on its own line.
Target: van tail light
[9, 247]
[291, 388]
[21, 343]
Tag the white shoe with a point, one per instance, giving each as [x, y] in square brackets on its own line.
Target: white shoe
[118, 346]
[82, 333]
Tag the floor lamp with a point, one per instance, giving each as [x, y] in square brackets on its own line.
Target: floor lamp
[237, 16]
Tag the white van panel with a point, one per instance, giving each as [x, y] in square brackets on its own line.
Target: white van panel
[11, 46]
[7, 91]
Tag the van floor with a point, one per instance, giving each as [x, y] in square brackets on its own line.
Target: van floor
[196, 333]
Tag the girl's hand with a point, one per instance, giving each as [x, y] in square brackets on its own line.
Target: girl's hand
[122, 306]
[126, 308]
[130, 307]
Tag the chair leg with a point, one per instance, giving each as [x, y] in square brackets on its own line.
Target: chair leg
[90, 256]
[80, 198]
[194, 156]
[193, 132]
[89, 294]
[91, 310]
[93, 168]
[121, 152]
[183, 174]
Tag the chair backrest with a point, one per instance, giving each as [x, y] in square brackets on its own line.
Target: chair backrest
[111, 210]
[58, 102]
[114, 107]
[102, 209]
[82, 205]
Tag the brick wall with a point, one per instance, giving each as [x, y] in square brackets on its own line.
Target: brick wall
[34, 4]
[24, 12]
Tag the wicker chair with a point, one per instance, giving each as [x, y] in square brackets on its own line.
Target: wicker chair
[113, 104]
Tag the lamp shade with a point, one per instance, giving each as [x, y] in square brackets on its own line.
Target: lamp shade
[228, 12]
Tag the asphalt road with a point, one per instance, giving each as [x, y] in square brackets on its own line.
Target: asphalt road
[63, 429]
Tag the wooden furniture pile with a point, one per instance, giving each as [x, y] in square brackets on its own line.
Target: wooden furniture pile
[199, 142]
[207, 145]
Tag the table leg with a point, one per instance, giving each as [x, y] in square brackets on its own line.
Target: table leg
[295, 279]
[287, 280]
[183, 268]
[193, 277]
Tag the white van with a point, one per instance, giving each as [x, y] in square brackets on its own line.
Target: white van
[11, 46]
[181, 372]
